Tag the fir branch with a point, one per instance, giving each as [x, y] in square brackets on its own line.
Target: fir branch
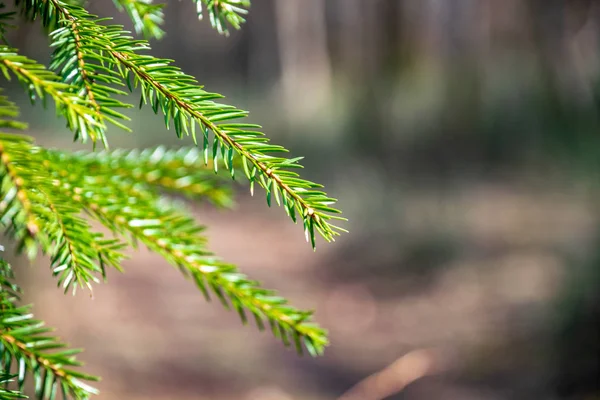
[122, 206]
[7, 394]
[146, 17]
[26, 342]
[80, 114]
[37, 213]
[183, 102]
[41, 200]
[17, 205]
[79, 59]
[72, 60]
[8, 112]
[78, 254]
[5, 22]
[177, 171]
[221, 12]
[146, 218]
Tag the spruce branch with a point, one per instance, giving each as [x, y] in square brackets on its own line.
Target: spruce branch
[76, 61]
[79, 254]
[43, 193]
[5, 22]
[177, 171]
[221, 12]
[37, 214]
[146, 16]
[8, 112]
[187, 106]
[142, 216]
[5, 393]
[15, 203]
[26, 342]
[42, 83]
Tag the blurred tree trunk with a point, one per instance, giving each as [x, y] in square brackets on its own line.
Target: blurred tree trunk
[562, 35]
[261, 33]
[359, 36]
[456, 24]
[305, 65]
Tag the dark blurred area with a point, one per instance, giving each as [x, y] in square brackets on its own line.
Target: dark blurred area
[462, 138]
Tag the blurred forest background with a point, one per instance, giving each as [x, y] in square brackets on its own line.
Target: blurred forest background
[462, 138]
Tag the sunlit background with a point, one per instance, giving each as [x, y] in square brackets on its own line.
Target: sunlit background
[462, 138]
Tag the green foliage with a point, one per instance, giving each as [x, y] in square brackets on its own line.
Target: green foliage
[222, 12]
[177, 171]
[146, 17]
[43, 84]
[7, 394]
[38, 215]
[115, 58]
[25, 343]
[48, 197]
